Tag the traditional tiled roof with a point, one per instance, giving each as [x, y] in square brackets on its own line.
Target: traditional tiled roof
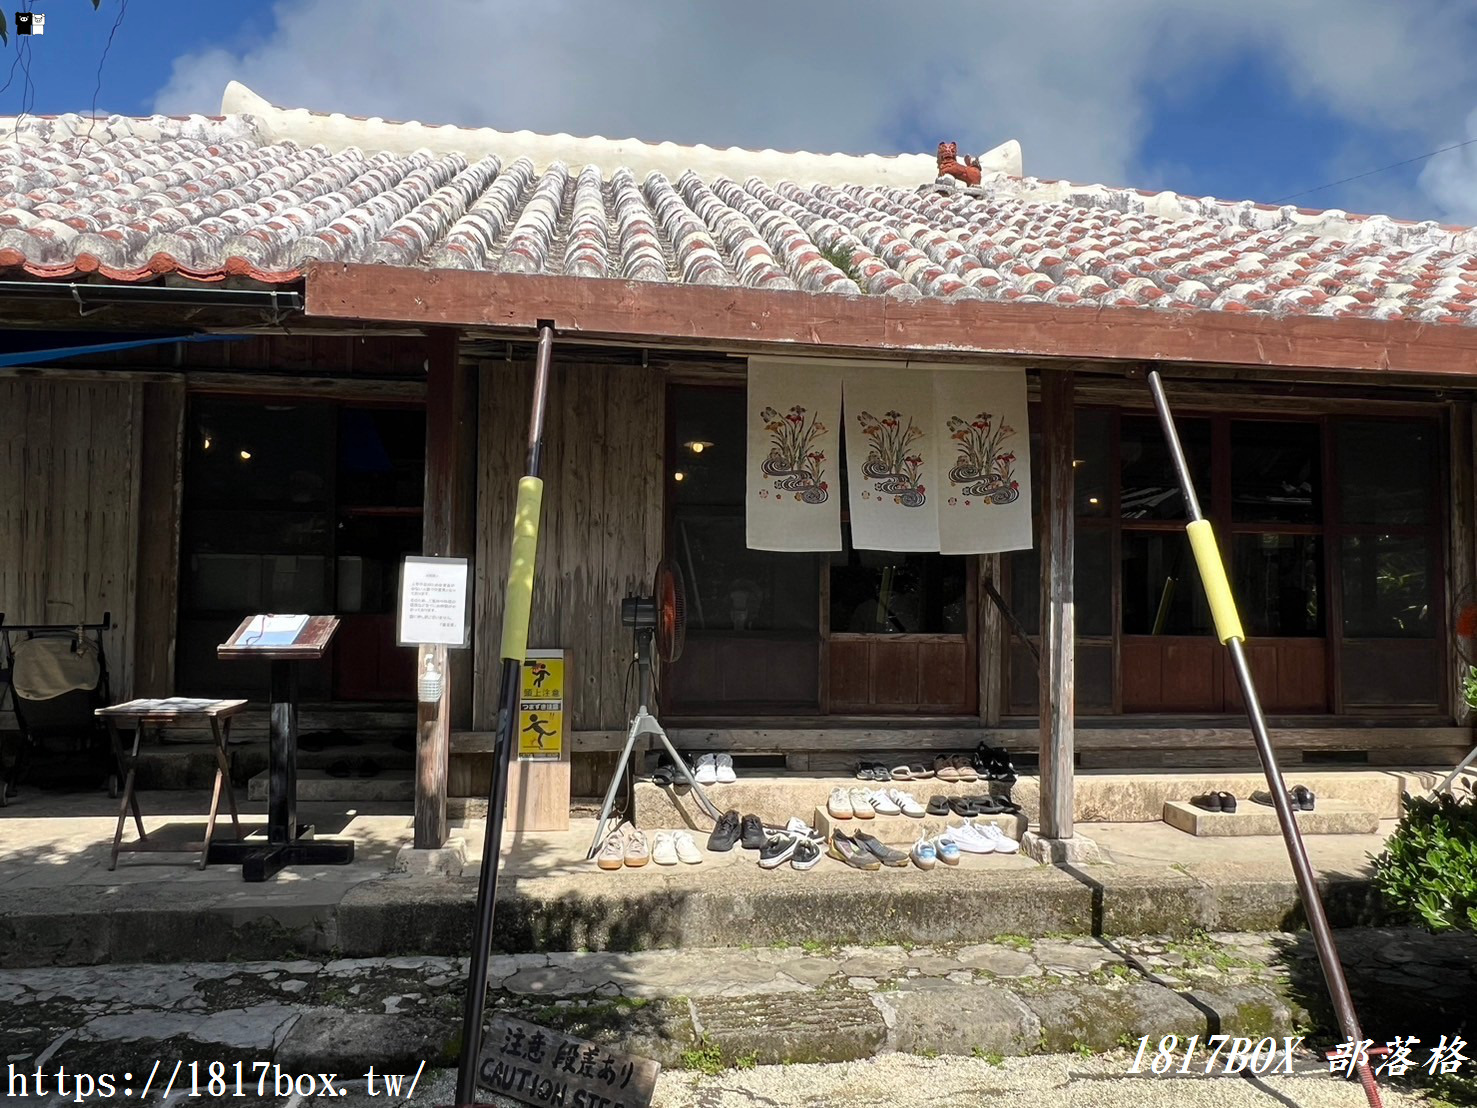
[233, 195]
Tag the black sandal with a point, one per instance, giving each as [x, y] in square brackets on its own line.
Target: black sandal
[939, 806]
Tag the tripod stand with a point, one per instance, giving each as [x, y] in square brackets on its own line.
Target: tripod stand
[645, 724]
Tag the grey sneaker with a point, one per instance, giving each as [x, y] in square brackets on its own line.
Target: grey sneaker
[880, 850]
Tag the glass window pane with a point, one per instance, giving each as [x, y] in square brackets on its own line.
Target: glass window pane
[1388, 587]
[1387, 471]
[382, 457]
[247, 453]
[1276, 472]
[882, 592]
[1161, 587]
[709, 446]
[1150, 488]
[1276, 580]
[1090, 466]
[735, 589]
[1025, 588]
[1092, 573]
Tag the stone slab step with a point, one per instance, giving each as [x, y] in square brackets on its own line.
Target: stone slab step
[903, 831]
[1099, 796]
[1329, 817]
[315, 784]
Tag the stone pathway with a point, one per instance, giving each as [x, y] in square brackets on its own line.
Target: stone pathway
[738, 1006]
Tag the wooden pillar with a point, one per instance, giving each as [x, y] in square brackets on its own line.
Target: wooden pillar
[161, 471]
[1461, 569]
[1058, 625]
[450, 508]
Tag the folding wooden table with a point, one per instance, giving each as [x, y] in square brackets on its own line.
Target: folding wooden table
[170, 713]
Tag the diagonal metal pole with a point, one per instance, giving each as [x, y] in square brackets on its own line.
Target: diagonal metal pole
[517, 601]
[1228, 630]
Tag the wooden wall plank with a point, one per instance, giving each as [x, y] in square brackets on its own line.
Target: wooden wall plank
[160, 485]
[69, 507]
[504, 391]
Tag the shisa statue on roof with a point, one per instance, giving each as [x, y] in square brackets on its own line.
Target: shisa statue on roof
[966, 169]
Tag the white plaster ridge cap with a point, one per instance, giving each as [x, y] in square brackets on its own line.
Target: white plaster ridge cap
[337, 132]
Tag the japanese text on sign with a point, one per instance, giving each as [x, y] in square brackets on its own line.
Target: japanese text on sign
[541, 706]
[543, 1067]
[433, 602]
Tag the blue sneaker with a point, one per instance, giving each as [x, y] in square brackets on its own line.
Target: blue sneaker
[924, 854]
[946, 849]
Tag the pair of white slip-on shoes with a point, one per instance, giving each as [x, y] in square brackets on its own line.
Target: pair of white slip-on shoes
[983, 838]
[715, 769]
[671, 847]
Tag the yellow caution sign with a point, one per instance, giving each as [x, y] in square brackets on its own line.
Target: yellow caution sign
[541, 706]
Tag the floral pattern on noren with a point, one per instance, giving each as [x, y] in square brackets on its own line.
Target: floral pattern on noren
[794, 461]
[892, 460]
[984, 467]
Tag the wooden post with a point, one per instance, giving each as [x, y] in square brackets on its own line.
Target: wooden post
[1058, 626]
[450, 501]
[432, 733]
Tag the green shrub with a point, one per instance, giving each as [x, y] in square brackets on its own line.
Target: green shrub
[1429, 867]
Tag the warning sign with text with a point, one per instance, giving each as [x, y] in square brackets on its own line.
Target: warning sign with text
[541, 706]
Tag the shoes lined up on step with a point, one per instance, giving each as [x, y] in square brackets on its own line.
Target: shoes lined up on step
[1300, 798]
[968, 806]
[926, 852]
[866, 803]
[633, 849]
[715, 769]
[993, 763]
[983, 838]
[624, 848]
[797, 843]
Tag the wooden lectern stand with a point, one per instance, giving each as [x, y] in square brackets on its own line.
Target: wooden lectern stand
[284, 641]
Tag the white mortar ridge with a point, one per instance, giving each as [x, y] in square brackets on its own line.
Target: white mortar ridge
[338, 132]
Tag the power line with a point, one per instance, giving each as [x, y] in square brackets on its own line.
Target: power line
[122, 10]
[1372, 172]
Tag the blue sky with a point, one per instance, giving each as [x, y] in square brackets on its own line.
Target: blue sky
[1262, 102]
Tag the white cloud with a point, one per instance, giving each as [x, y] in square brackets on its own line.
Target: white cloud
[1075, 80]
[1451, 178]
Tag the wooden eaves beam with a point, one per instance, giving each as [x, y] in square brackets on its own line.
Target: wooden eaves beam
[742, 320]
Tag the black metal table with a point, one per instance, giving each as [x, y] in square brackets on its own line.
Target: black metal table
[287, 842]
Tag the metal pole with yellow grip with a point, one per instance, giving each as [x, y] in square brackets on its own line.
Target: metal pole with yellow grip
[517, 603]
[1228, 629]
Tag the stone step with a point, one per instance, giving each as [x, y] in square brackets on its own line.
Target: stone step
[785, 1002]
[1329, 817]
[904, 831]
[319, 785]
[1099, 796]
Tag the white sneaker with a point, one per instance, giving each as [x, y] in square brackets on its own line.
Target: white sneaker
[664, 849]
[707, 770]
[907, 803]
[1004, 844]
[968, 838]
[723, 767]
[686, 847]
[861, 807]
[883, 804]
[797, 826]
[839, 806]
